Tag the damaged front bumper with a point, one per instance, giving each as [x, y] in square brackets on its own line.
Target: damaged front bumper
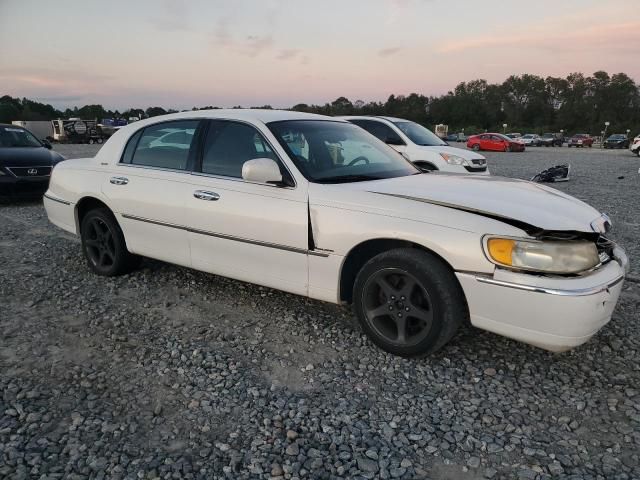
[554, 313]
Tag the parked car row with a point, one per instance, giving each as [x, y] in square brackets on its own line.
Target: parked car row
[316, 206]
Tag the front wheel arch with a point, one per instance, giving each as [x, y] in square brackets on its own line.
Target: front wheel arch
[360, 254]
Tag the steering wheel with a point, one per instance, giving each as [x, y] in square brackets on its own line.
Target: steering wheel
[359, 159]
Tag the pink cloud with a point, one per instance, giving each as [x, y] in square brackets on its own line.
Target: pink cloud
[623, 37]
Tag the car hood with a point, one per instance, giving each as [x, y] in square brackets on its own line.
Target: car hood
[28, 157]
[504, 198]
[466, 154]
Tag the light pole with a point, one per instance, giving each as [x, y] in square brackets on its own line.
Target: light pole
[604, 133]
[504, 128]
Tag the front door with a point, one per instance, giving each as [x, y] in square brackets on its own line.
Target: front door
[147, 188]
[248, 231]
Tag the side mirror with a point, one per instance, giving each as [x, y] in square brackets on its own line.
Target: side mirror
[261, 170]
[394, 141]
[46, 143]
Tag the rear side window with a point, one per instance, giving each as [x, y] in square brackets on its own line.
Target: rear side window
[380, 130]
[164, 145]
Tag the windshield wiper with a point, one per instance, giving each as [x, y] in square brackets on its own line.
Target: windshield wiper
[346, 178]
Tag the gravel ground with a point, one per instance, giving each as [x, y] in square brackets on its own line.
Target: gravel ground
[171, 373]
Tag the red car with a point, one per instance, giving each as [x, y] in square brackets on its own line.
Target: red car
[495, 142]
[580, 140]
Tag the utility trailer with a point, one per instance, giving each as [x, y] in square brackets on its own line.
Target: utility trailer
[442, 130]
[41, 129]
[76, 130]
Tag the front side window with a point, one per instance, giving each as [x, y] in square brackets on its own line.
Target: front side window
[11, 137]
[334, 152]
[164, 145]
[229, 145]
[419, 135]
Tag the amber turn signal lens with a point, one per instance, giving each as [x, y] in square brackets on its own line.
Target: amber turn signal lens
[501, 249]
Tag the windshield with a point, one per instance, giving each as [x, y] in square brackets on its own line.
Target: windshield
[337, 152]
[17, 137]
[504, 137]
[548, 135]
[617, 137]
[420, 135]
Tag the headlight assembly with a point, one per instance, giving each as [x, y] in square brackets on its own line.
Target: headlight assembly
[454, 159]
[561, 257]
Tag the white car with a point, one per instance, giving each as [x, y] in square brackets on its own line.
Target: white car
[316, 206]
[421, 145]
[530, 140]
[635, 146]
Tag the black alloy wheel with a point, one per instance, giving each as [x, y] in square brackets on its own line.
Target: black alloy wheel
[409, 302]
[104, 246]
[100, 244]
[398, 307]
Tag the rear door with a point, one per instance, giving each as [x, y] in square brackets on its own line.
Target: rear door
[148, 186]
[248, 231]
[497, 143]
[485, 144]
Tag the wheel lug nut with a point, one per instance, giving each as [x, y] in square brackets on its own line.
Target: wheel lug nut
[390, 307]
[407, 309]
[400, 315]
[402, 297]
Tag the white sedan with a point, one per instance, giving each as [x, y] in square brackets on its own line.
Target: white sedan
[316, 206]
[531, 140]
[420, 145]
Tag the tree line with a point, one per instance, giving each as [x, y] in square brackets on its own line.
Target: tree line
[526, 103]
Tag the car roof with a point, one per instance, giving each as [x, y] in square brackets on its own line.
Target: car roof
[373, 117]
[248, 114]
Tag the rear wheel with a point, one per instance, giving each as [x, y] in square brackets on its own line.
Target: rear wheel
[408, 302]
[104, 246]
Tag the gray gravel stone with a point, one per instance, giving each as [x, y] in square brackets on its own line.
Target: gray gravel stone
[172, 373]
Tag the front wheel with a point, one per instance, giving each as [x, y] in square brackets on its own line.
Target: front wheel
[476, 147]
[409, 302]
[507, 148]
[104, 246]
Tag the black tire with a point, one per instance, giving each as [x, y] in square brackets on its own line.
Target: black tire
[396, 284]
[104, 246]
[476, 147]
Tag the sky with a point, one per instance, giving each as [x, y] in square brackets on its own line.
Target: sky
[179, 54]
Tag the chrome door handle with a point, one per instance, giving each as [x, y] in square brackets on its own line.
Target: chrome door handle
[119, 180]
[204, 195]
